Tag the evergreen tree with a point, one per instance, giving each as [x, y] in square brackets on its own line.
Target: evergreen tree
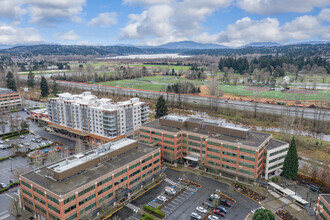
[263, 214]
[161, 107]
[11, 84]
[54, 88]
[290, 167]
[30, 80]
[44, 87]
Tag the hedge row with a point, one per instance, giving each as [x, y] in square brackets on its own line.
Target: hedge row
[148, 217]
[4, 189]
[154, 211]
[4, 158]
[15, 135]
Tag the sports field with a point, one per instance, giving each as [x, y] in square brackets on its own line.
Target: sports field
[245, 91]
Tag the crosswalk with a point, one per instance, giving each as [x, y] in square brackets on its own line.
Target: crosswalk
[254, 210]
[133, 207]
[180, 186]
[4, 215]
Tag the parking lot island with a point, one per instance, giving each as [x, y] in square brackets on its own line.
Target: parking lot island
[80, 184]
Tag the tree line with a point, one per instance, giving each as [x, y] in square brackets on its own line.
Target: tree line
[183, 88]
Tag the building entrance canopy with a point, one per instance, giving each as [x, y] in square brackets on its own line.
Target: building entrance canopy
[191, 158]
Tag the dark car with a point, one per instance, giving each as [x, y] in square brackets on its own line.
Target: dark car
[217, 212]
[226, 203]
[222, 209]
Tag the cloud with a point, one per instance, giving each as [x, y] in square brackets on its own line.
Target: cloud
[104, 20]
[246, 30]
[11, 9]
[324, 14]
[166, 21]
[68, 36]
[280, 6]
[10, 34]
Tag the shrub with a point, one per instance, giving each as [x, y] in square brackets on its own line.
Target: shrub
[154, 211]
[148, 217]
[4, 189]
[4, 158]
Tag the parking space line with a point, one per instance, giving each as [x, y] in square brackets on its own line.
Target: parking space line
[175, 202]
[170, 205]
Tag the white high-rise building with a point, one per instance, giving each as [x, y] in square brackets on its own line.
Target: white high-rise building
[86, 117]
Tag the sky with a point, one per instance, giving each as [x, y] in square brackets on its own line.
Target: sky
[153, 22]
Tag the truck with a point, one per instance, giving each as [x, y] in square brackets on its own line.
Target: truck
[170, 191]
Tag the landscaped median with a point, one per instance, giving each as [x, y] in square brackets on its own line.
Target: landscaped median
[172, 198]
[14, 134]
[154, 211]
[7, 188]
[248, 192]
[146, 216]
[285, 215]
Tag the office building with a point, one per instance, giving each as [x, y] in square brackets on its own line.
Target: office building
[95, 120]
[78, 185]
[234, 151]
[323, 207]
[9, 99]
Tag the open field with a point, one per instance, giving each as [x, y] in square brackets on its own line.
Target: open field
[242, 91]
[42, 72]
[154, 83]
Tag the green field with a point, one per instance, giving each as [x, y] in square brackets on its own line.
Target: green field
[239, 90]
[42, 72]
[153, 83]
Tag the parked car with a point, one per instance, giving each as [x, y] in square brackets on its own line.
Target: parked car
[2, 185]
[33, 139]
[1, 142]
[222, 209]
[201, 209]
[49, 142]
[2, 147]
[12, 181]
[207, 204]
[162, 198]
[22, 136]
[214, 197]
[213, 217]
[70, 152]
[226, 203]
[194, 215]
[38, 140]
[43, 144]
[7, 140]
[170, 191]
[217, 212]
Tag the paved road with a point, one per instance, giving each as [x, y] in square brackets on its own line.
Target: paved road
[320, 114]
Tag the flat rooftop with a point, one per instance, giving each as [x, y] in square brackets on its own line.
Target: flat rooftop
[275, 144]
[39, 176]
[254, 139]
[326, 197]
[5, 91]
[86, 156]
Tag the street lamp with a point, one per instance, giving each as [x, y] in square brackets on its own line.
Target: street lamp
[11, 164]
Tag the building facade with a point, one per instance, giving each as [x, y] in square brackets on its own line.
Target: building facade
[9, 99]
[323, 207]
[226, 150]
[96, 120]
[76, 186]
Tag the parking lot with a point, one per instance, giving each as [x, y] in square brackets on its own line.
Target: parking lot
[186, 203]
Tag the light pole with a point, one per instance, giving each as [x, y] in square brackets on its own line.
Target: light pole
[11, 164]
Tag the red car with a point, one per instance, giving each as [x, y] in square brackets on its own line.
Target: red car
[70, 152]
[217, 212]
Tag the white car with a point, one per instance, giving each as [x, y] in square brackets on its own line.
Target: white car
[215, 196]
[162, 198]
[22, 136]
[2, 147]
[2, 185]
[201, 209]
[194, 215]
[213, 217]
[1, 142]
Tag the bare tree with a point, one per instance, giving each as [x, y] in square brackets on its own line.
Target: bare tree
[213, 87]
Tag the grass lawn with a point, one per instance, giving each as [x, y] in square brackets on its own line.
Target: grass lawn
[239, 90]
[160, 84]
[170, 67]
[42, 72]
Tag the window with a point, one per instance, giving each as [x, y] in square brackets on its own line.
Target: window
[194, 144]
[134, 181]
[120, 173]
[147, 166]
[41, 209]
[168, 136]
[277, 165]
[88, 208]
[178, 142]
[228, 160]
[156, 133]
[246, 172]
[229, 147]
[81, 202]
[134, 173]
[104, 181]
[53, 208]
[194, 138]
[105, 197]
[86, 190]
[39, 200]
[28, 201]
[213, 143]
[135, 165]
[213, 157]
[246, 157]
[276, 159]
[146, 159]
[25, 184]
[168, 148]
[26, 192]
[247, 164]
[156, 139]
[278, 152]
[120, 181]
[156, 154]
[228, 167]
[194, 150]
[68, 199]
[248, 151]
[178, 154]
[229, 153]
[147, 173]
[213, 163]
[38, 191]
[156, 161]
[144, 136]
[70, 208]
[156, 168]
[169, 142]
[214, 150]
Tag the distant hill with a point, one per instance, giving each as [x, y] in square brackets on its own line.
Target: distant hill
[262, 44]
[47, 49]
[190, 45]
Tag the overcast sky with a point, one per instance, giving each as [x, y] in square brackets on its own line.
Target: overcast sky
[153, 22]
